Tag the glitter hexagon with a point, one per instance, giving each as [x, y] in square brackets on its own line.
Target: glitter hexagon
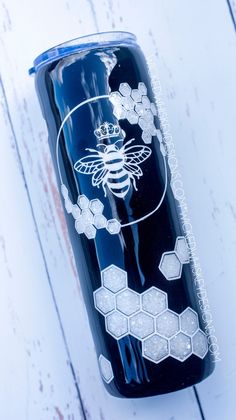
[155, 348]
[154, 301]
[200, 344]
[189, 321]
[170, 266]
[141, 325]
[104, 300]
[105, 369]
[88, 215]
[114, 278]
[180, 346]
[83, 202]
[113, 226]
[128, 302]
[96, 206]
[181, 249]
[135, 106]
[171, 263]
[146, 316]
[167, 324]
[117, 324]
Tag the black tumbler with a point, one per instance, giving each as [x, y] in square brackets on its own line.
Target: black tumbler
[132, 255]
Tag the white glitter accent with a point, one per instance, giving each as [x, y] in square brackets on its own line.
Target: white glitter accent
[140, 109]
[105, 369]
[171, 263]
[76, 212]
[113, 226]
[200, 344]
[90, 231]
[114, 279]
[79, 225]
[131, 104]
[64, 191]
[83, 201]
[68, 205]
[136, 95]
[146, 102]
[104, 300]
[96, 206]
[143, 123]
[99, 221]
[128, 104]
[119, 112]
[189, 321]
[125, 89]
[141, 325]
[180, 346]
[127, 312]
[167, 324]
[155, 348]
[117, 324]
[170, 266]
[142, 88]
[87, 216]
[154, 301]
[128, 302]
[132, 117]
[147, 137]
[181, 249]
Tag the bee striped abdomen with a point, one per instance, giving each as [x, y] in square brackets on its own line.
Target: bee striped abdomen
[118, 180]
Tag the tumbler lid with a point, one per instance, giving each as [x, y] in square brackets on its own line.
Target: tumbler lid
[83, 43]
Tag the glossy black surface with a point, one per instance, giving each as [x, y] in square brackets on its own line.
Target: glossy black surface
[138, 248]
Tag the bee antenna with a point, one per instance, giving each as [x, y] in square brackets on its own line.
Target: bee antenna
[129, 141]
[118, 140]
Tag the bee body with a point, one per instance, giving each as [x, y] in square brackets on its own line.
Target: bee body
[115, 168]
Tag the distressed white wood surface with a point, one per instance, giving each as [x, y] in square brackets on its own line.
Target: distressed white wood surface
[46, 340]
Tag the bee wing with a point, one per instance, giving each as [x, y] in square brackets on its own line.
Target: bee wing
[134, 169]
[136, 154]
[89, 164]
[98, 176]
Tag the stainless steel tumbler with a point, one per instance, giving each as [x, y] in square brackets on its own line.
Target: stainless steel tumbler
[132, 254]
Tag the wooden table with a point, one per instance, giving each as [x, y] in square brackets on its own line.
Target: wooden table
[48, 366]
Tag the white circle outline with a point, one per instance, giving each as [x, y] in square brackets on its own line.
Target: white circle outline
[95, 98]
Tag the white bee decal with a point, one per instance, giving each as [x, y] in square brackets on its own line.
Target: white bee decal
[113, 167]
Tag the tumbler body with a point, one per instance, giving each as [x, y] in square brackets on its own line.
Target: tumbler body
[133, 259]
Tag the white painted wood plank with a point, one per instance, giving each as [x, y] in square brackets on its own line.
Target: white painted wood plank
[196, 61]
[36, 379]
[32, 138]
[166, 27]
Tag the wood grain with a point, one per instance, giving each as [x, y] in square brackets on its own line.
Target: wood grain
[46, 338]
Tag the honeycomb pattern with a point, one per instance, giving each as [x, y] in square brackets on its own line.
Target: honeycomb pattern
[88, 215]
[135, 106]
[146, 316]
[171, 263]
[105, 369]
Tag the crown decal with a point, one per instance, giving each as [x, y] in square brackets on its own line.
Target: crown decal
[107, 130]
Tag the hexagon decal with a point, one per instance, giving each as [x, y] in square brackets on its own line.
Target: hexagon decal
[155, 348]
[114, 278]
[170, 266]
[180, 346]
[141, 325]
[116, 324]
[154, 301]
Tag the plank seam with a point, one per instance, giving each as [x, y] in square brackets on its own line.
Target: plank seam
[230, 4]
[198, 403]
